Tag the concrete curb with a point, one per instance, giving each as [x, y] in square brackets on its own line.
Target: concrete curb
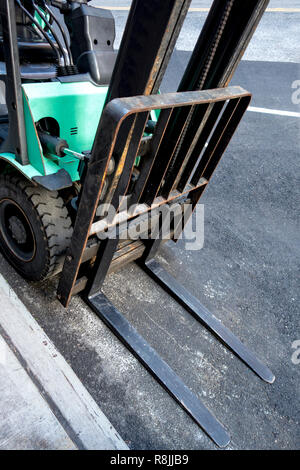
[77, 413]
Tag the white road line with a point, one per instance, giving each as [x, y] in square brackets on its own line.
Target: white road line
[268, 10]
[273, 111]
[68, 395]
[204, 10]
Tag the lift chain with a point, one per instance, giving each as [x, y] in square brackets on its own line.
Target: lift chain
[201, 82]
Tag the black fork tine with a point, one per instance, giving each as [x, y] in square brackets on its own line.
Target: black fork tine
[159, 368]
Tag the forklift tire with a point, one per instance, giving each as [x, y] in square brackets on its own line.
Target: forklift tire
[35, 228]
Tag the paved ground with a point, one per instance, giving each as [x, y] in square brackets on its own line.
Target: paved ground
[43, 404]
[247, 274]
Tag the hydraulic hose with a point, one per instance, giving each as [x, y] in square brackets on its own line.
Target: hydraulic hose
[44, 34]
[63, 33]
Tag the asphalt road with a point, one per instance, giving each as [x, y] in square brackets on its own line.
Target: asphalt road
[247, 274]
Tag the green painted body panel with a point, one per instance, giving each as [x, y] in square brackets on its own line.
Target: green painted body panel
[28, 170]
[76, 107]
[38, 18]
[34, 148]
[68, 163]
[72, 105]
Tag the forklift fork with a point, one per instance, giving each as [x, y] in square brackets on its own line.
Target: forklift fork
[224, 109]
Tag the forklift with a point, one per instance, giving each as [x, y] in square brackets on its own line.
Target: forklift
[84, 128]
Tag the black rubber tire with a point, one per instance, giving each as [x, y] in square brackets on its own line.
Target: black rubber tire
[49, 223]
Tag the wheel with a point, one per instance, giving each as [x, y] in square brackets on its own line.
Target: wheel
[35, 227]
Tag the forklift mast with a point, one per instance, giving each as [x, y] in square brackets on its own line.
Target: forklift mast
[79, 104]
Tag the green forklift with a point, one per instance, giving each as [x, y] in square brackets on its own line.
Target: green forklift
[91, 151]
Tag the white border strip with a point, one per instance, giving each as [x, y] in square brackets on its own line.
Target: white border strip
[277, 112]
